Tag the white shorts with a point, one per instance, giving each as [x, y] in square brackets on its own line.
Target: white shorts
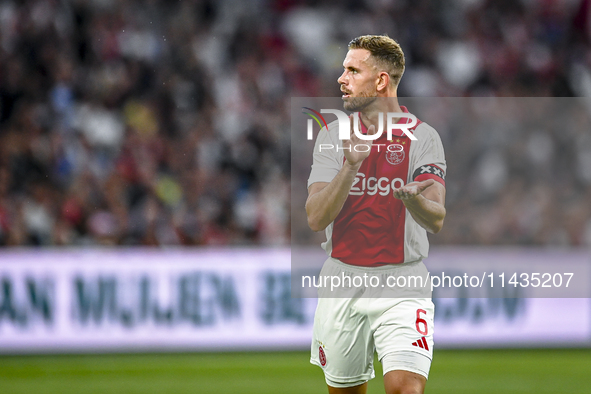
[347, 332]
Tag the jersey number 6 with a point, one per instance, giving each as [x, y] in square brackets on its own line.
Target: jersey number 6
[421, 322]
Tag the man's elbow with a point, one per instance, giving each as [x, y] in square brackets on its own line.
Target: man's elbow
[315, 220]
[315, 224]
[436, 226]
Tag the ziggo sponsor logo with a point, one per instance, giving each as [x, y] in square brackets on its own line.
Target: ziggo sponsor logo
[373, 185]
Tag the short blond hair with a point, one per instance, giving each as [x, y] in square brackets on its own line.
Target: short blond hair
[386, 52]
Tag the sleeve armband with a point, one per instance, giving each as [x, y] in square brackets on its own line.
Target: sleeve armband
[429, 171]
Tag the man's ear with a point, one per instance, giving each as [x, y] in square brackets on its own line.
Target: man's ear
[383, 81]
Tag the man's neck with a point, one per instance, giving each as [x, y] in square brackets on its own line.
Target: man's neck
[382, 105]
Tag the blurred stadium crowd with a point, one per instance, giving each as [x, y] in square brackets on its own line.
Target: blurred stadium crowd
[164, 122]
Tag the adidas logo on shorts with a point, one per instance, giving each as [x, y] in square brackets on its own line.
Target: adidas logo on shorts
[422, 343]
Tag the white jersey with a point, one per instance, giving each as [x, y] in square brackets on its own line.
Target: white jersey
[374, 228]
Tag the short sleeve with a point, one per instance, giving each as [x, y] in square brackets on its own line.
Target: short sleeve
[325, 164]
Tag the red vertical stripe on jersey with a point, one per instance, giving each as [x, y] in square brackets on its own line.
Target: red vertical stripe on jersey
[369, 230]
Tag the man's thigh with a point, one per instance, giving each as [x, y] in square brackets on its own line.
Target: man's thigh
[342, 343]
[403, 334]
[404, 382]
[360, 389]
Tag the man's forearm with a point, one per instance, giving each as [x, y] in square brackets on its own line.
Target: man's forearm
[324, 206]
[427, 213]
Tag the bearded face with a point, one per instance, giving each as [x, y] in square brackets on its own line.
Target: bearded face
[358, 81]
[359, 103]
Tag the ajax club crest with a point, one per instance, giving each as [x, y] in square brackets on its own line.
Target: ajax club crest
[395, 157]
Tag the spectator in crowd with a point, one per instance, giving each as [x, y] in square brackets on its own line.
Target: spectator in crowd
[167, 123]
